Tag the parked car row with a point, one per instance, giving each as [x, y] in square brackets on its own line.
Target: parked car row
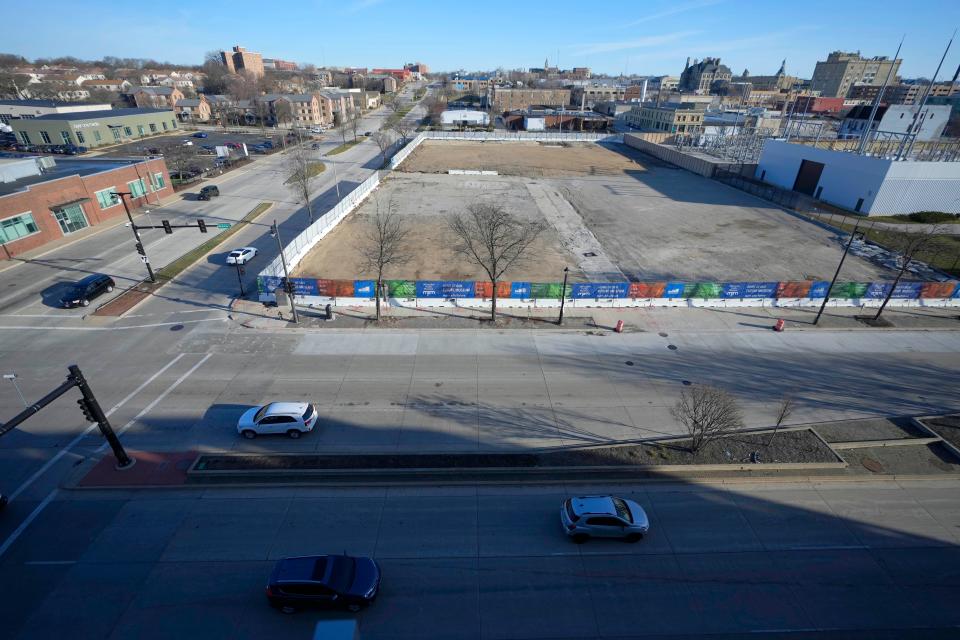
[63, 149]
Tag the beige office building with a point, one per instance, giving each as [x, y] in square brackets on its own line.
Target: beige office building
[834, 77]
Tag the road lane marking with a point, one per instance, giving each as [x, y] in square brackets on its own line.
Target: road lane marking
[26, 523]
[93, 425]
[135, 326]
[45, 563]
[156, 401]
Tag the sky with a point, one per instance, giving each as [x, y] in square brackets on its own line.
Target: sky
[647, 37]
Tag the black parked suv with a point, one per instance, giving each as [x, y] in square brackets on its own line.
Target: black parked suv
[208, 192]
[83, 291]
[323, 581]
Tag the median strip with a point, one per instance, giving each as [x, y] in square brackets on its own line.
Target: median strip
[132, 296]
[346, 146]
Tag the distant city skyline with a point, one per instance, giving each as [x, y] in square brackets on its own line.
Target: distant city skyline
[616, 38]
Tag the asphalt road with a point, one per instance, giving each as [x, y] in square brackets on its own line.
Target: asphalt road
[774, 561]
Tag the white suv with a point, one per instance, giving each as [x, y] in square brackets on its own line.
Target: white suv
[603, 517]
[291, 418]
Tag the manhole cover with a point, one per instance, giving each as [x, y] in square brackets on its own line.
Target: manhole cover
[672, 347]
[589, 254]
[176, 327]
[872, 465]
[629, 363]
[686, 383]
[663, 334]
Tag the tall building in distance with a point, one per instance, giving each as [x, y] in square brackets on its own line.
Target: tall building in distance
[240, 60]
[699, 76]
[834, 77]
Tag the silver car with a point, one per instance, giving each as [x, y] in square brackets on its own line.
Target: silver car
[588, 517]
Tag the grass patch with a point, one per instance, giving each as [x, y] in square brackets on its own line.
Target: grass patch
[943, 252]
[313, 169]
[346, 146]
[175, 268]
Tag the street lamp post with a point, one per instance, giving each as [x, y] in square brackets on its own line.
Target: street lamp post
[563, 294]
[275, 232]
[136, 234]
[826, 296]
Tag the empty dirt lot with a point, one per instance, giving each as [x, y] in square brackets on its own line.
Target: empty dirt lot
[522, 158]
[426, 202]
[614, 214]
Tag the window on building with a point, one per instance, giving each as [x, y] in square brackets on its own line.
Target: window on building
[80, 137]
[105, 198]
[66, 137]
[164, 123]
[18, 227]
[127, 131]
[71, 219]
[24, 137]
[96, 136]
[173, 123]
[153, 128]
[140, 131]
[45, 137]
[116, 135]
[137, 188]
[157, 180]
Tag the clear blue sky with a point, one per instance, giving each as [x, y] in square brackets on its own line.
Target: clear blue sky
[637, 36]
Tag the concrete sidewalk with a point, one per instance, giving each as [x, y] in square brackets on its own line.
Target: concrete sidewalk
[253, 314]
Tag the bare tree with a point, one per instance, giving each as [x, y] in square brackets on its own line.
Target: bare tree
[282, 111]
[341, 123]
[383, 140]
[402, 128]
[354, 123]
[494, 240]
[708, 413]
[909, 244]
[786, 408]
[382, 244]
[300, 165]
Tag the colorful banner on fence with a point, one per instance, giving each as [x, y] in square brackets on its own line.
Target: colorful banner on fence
[794, 289]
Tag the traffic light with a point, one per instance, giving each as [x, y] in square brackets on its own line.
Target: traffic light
[139, 247]
[202, 225]
[87, 410]
[166, 226]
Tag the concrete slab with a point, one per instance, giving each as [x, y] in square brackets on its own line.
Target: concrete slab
[422, 527]
[227, 530]
[317, 526]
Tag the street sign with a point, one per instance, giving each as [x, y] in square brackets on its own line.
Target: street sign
[223, 225]
[144, 259]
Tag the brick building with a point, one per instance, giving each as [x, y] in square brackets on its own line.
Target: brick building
[510, 99]
[240, 60]
[70, 195]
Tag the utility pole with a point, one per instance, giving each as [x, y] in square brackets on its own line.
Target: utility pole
[826, 296]
[136, 234]
[563, 294]
[275, 232]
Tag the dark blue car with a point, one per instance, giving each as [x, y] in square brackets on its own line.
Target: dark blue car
[346, 582]
[200, 134]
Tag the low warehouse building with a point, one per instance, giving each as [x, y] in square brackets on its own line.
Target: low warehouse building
[865, 184]
[93, 129]
[42, 199]
[464, 118]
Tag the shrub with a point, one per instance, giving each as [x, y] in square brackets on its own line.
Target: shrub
[932, 217]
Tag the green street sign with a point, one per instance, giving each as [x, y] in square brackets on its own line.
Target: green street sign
[223, 225]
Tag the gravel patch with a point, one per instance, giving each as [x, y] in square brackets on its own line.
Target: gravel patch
[947, 427]
[789, 446]
[874, 429]
[921, 459]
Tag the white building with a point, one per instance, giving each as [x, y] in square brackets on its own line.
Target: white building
[897, 118]
[866, 184]
[464, 117]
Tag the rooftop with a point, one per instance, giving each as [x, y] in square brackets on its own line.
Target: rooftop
[41, 103]
[63, 168]
[106, 113]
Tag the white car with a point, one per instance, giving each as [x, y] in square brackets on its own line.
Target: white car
[588, 517]
[291, 418]
[242, 255]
